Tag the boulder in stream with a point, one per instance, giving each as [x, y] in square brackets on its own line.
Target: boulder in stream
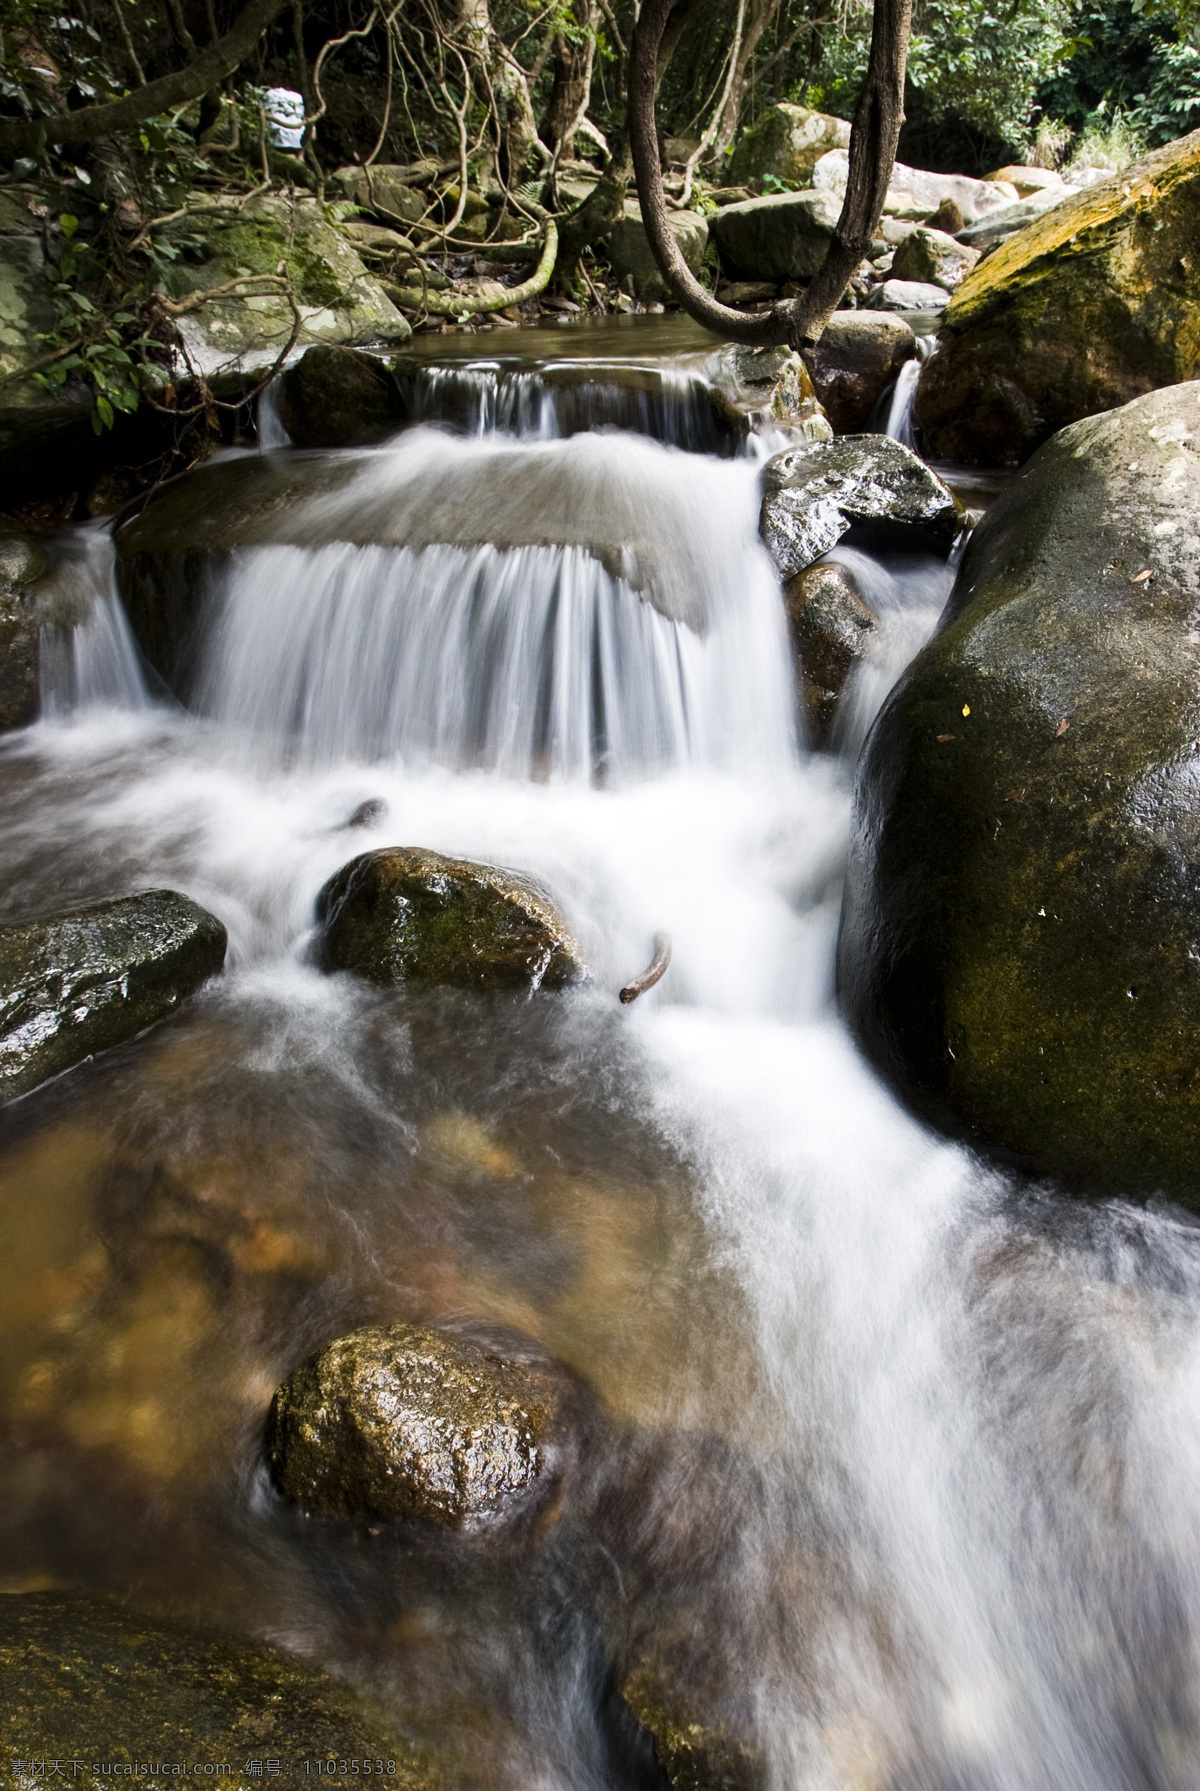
[780, 237]
[1020, 945]
[22, 562]
[858, 355]
[404, 913]
[82, 1677]
[785, 142]
[338, 397]
[632, 258]
[908, 295]
[830, 627]
[77, 983]
[424, 1424]
[932, 256]
[815, 494]
[1088, 306]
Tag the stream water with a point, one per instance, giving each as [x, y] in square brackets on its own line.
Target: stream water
[900, 1458]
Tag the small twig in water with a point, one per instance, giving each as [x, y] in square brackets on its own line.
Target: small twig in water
[653, 972]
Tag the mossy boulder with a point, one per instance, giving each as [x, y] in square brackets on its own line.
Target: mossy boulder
[698, 1745]
[337, 397]
[423, 1424]
[383, 190]
[403, 914]
[815, 494]
[77, 983]
[82, 1681]
[239, 333]
[1088, 306]
[859, 354]
[786, 142]
[830, 627]
[632, 258]
[1020, 944]
[782, 236]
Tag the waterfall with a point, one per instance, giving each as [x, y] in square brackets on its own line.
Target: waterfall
[89, 659]
[899, 422]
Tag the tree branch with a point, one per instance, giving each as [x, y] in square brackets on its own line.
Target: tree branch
[873, 138]
[20, 135]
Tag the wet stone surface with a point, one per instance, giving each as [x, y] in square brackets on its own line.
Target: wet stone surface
[84, 1681]
[77, 983]
[815, 495]
[406, 913]
[830, 626]
[407, 1421]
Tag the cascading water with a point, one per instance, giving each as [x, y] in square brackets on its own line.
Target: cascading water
[911, 1454]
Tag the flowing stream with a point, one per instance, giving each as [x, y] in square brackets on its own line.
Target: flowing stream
[902, 1458]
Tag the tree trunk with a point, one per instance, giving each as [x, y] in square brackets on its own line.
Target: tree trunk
[501, 78]
[760, 17]
[873, 135]
[571, 92]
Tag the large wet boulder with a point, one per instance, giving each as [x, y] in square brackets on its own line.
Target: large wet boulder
[830, 628]
[339, 397]
[1088, 306]
[782, 236]
[632, 258]
[932, 256]
[82, 1677]
[773, 385]
[22, 563]
[77, 983]
[1020, 947]
[859, 354]
[423, 1424]
[785, 142]
[240, 333]
[403, 913]
[813, 495]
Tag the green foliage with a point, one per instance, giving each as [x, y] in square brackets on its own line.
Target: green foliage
[1134, 81]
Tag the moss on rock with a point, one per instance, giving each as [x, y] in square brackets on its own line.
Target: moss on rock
[1088, 306]
[1020, 945]
[84, 1681]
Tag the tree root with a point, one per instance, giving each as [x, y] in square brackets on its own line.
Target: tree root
[450, 304]
[653, 973]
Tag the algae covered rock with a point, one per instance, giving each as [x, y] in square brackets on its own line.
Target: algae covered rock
[786, 142]
[405, 913]
[1020, 946]
[338, 300]
[782, 236]
[816, 493]
[384, 190]
[859, 354]
[1090, 305]
[830, 627]
[84, 1681]
[78, 983]
[424, 1424]
[632, 258]
[337, 397]
[696, 1745]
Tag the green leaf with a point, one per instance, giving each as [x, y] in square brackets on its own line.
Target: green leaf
[68, 223]
[103, 415]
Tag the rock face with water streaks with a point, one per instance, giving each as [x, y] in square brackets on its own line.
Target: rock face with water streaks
[814, 495]
[81, 1677]
[858, 356]
[1091, 304]
[404, 913]
[428, 1425]
[1020, 944]
[830, 627]
[78, 983]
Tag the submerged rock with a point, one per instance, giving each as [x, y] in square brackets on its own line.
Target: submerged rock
[405, 913]
[1020, 945]
[830, 626]
[859, 354]
[696, 1748]
[337, 398]
[632, 258]
[786, 142]
[78, 983]
[1090, 305]
[428, 1425]
[79, 1676]
[783, 236]
[932, 256]
[814, 495]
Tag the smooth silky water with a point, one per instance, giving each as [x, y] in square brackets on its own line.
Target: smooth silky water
[908, 1453]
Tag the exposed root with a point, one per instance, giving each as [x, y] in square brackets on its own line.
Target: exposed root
[653, 973]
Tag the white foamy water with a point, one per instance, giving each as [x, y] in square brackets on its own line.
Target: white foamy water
[978, 1409]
